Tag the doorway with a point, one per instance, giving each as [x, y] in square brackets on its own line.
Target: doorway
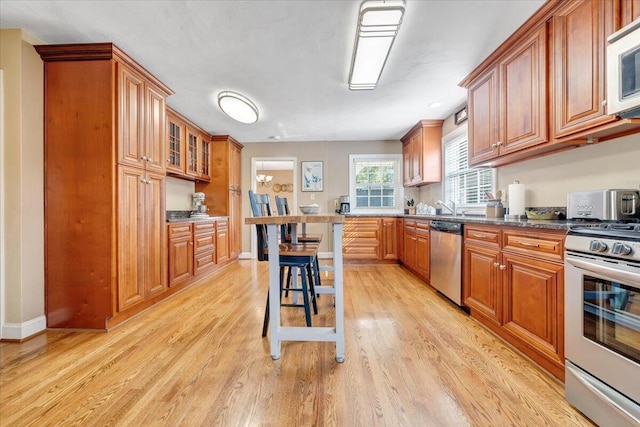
[275, 176]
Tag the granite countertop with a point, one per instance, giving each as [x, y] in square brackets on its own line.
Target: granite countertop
[184, 216]
[559, 224]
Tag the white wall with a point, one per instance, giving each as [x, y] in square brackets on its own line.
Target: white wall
[23, 186]
[179, 194]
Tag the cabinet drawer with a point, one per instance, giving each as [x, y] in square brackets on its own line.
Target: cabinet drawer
[362, 250]
[483, 235]
[179, 230]
[204, 242]
[223, 224]
[545, 245]
[204, 261]
[422, 228]
[204, 227]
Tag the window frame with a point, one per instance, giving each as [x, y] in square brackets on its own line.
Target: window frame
[398, 207]
[461, 132]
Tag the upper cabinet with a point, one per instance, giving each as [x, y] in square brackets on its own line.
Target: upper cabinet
[630, 11]
[509, 103]
[422, 153]
[188, 149]
[555, 59]
[580, 31]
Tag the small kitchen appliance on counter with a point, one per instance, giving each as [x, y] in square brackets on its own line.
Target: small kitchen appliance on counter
[199, 208]
[604, 205]
[345, 205]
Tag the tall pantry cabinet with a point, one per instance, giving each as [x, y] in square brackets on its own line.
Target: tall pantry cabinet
[105, 226]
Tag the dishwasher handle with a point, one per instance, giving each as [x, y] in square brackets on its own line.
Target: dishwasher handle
[446, 227]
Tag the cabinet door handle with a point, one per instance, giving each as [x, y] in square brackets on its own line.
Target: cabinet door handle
[503, 267]
[496, 264]
[499, 143]
[533, 245]
[604, 103]
[494, 146]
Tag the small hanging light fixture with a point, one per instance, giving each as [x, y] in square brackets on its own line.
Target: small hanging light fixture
[262, 179]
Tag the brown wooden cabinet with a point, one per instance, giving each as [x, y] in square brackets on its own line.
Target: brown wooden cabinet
[557, 57]
[630, 11]
[361, 239]
[422, 153]
[188, 149]
[508, 102]
[416, 252]
[513, 282]
[580, 31]
[204, 246]
[224, 191]
[180, 253]
[482, 284]
[222, 241]
[389, 247]
[176, 144]
[423, 258]
[370, 240]
[104, 186]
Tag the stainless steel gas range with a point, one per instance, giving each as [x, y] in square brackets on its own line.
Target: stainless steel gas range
[602, 321]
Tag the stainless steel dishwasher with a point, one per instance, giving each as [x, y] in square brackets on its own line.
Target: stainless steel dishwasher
[446, 259]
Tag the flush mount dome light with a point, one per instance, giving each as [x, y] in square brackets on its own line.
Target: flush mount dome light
[238, 107]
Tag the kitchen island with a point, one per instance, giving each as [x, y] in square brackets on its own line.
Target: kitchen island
[278, 332]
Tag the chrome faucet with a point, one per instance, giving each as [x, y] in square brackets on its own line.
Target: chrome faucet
[451, 209]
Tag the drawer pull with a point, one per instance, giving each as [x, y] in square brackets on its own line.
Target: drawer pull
[478, 235]
[533, 245]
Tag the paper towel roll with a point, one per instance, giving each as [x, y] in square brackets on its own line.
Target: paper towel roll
[516, 199]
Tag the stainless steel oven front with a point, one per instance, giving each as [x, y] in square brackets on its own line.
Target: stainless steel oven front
[602, 333]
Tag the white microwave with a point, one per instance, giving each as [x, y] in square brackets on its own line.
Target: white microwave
[623, 71]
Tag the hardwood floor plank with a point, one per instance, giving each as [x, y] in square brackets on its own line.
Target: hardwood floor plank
[197, 358]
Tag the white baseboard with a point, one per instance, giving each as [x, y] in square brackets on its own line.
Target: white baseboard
[245, 255]
[19, 331]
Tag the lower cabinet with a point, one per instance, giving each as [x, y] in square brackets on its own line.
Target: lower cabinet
[416, 255]
[513, 282]
[370, 239]
[196, 249]
[180, 253]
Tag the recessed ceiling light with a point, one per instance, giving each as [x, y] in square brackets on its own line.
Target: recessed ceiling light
[274, 137]
[238, 107]
[435, 105]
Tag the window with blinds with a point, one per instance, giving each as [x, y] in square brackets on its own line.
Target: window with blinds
[375, 182]
[464, 185]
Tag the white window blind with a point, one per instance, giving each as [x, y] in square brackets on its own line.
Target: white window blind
[375, 182]
[463, 184]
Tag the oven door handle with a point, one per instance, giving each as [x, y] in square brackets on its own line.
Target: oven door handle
[618, 273]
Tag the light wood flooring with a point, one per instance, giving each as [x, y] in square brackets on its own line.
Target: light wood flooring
[412, 359]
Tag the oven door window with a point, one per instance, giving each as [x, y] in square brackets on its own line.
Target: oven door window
[612, 316]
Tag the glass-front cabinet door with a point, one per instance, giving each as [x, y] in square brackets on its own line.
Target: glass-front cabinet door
[205, 158]
[192, 154]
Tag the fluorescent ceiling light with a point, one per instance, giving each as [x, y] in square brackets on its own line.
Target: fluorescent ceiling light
[378, 25]
[238, 107]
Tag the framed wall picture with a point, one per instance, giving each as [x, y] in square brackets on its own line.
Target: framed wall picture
[460, 116]
[312, 178]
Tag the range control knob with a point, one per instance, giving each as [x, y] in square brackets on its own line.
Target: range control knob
[621, 249]
[598, 246]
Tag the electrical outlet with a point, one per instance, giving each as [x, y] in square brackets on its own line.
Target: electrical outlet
[335, 203]
[312, 196]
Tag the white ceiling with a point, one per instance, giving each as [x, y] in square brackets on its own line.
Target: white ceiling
[291, 57]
